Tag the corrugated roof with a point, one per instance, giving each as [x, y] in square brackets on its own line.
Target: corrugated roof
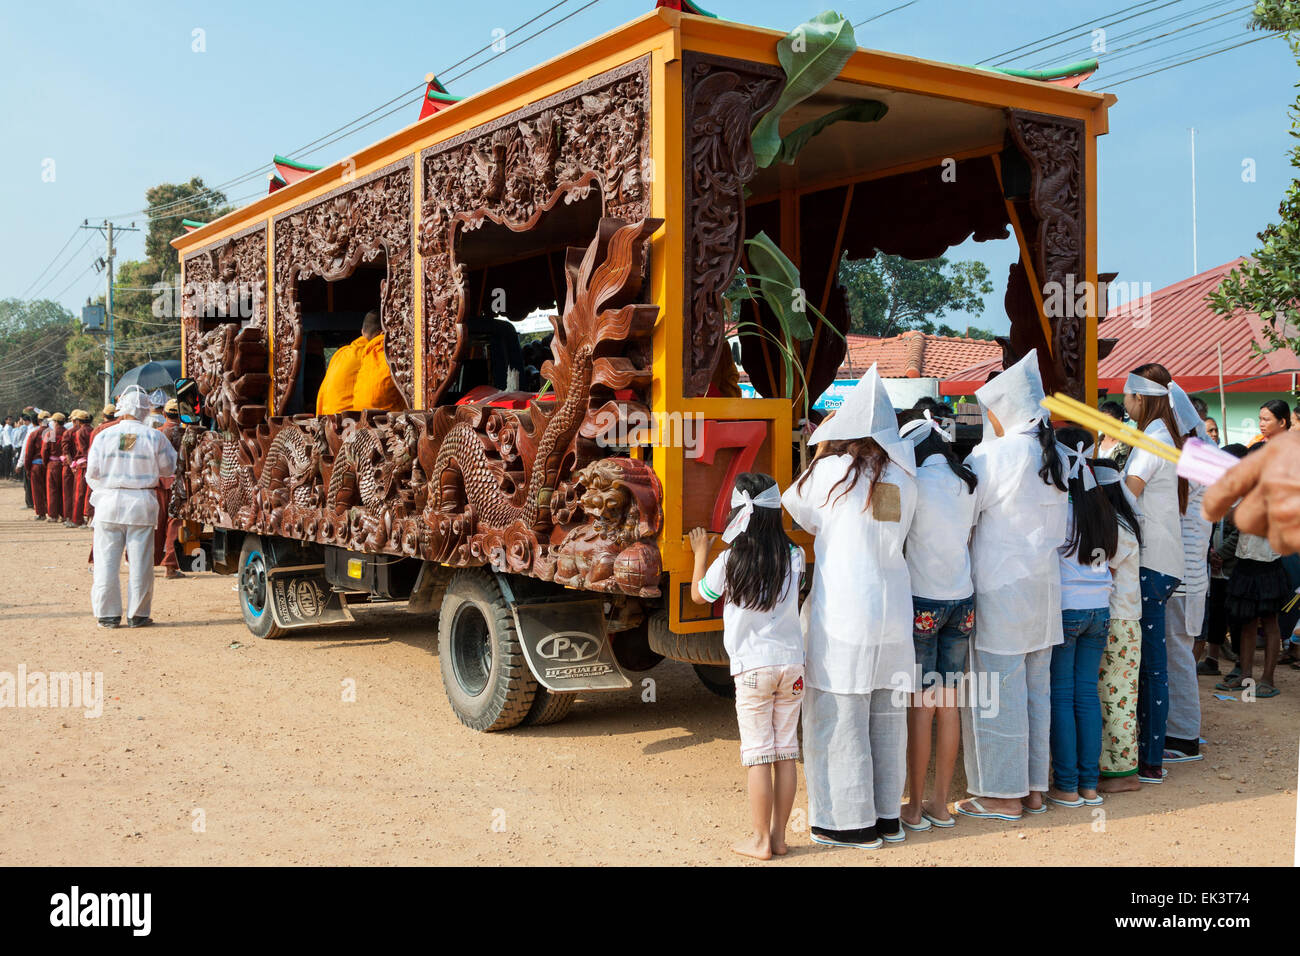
[1175, 327]
[915, 354]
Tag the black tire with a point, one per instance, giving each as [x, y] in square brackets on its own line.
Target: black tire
[717, 679]
[701, 648]
[484, 672]
[254, 604]
[549, 707]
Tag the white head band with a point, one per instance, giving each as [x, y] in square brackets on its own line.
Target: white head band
[919, 429]
[769, 497]
[1078, 459]
[1107, 476]
[1135, 384]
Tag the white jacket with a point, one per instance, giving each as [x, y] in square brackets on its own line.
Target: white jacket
[123, 468]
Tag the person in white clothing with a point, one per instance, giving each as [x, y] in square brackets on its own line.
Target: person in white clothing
[758, 582]
[1185, 612]
[1021, 512]
[858, 498]
[1162, 497]
[123, 468]
[943, 614]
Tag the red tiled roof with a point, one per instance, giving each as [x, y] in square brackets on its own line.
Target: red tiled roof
[915, 354]
[1175, 327]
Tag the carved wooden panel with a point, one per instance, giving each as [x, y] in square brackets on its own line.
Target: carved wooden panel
[724, 99]
[595, 135]
[224, 280]
[1054, 147]
[328, 239]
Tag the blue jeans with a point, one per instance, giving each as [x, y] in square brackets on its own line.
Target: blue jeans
[1076, 708]
[941, 632]
[1153, 677]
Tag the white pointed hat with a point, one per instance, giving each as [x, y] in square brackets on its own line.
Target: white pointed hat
[1014, 396]
[868, 412]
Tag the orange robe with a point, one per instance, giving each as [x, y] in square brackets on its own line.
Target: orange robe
[375, 387]
[338, 386]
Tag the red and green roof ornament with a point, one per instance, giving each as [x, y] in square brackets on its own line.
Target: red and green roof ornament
[290, 170]
[189, 225]
[685, 6]
[1072, 75]
[436, 98]
[274, 182]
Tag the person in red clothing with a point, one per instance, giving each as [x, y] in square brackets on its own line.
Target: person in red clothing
[170, 527]
[52, 452]
[34, 463]
[75, 489]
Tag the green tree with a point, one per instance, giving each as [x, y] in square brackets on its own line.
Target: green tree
[33, 337]
[1268, 282]
[169, 203]
[889, 294]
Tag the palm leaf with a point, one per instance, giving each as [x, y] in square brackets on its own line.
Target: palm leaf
[867, 111]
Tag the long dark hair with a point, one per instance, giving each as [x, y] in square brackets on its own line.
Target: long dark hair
[1279, 410]
[868, 459]
[1095, 529]
[1151, 407]
[1114, 493]
[1053, 469]
[758, 564]
[932, 444]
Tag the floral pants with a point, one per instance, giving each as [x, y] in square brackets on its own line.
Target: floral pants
[1118, 690]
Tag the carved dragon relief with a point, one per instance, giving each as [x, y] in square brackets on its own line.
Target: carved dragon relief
[523, 491]
[227, 280]
[1053, 146]
[594, 135]
[724, 99]
[329, 239]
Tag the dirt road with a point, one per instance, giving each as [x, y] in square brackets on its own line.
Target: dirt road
[216, 748]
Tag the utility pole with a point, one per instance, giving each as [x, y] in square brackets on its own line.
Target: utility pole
[106, 230]
[1196, 269]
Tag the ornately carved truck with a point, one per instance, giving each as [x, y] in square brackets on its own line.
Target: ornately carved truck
[615, 183]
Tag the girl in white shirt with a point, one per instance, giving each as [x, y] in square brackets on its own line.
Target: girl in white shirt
[1162, 497]
[758, 579]
[1117, 686]
[943, 615]
[1085, 617]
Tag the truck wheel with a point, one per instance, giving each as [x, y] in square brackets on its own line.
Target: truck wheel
[483, 668]
[717, 679]
[255, 591]
[704, 647]
[549, 707]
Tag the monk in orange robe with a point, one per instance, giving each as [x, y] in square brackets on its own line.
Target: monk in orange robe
[375, 387]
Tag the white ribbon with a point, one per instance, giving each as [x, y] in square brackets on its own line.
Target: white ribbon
[917, 430]
[1137, 385]
[769, 497]
[1107, 476]
[1078, 458]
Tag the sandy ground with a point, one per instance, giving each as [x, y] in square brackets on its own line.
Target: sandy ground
[217, 748]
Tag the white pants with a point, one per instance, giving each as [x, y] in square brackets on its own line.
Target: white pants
[1184, 689]
[1008, 745]
[106, 595]
[855, 758]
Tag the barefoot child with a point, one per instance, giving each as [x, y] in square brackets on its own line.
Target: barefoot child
[758, 581]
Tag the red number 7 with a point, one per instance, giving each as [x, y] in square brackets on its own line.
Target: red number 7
[714, 436]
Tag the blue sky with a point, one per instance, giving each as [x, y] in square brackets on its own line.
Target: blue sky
[118, 98]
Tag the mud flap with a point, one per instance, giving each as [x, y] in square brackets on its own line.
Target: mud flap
[301, 597]
[566, 645]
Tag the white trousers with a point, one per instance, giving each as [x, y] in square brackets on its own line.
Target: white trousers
[854, 758]
[1184, 689]
[110, 541]
[1008, 744]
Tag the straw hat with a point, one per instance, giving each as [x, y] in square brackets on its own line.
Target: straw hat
[80, 415]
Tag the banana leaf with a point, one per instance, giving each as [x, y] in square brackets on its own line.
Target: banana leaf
[778, 282]
[867, 111]
[825, 44]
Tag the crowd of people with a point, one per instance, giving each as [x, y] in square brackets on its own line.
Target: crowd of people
[1039, 607]
[68, 476]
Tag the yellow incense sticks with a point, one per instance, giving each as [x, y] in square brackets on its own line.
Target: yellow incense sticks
[1064, 406]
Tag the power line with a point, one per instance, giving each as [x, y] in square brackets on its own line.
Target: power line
[51, 263]
[50, 281]
[1134, 16]
[1266, 36]
[1109, 54]
[884, 13]
[1086, 23]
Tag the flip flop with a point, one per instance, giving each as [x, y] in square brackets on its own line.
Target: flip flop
[1094, 802]
[1177, 756]
[942, 824]
[1161, 779]
[1078, 802]
[827, 841]
[980, 813]
[1264, 691]
[1042, 809]
[1232, 682]
[897, 836]
[921, 827]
